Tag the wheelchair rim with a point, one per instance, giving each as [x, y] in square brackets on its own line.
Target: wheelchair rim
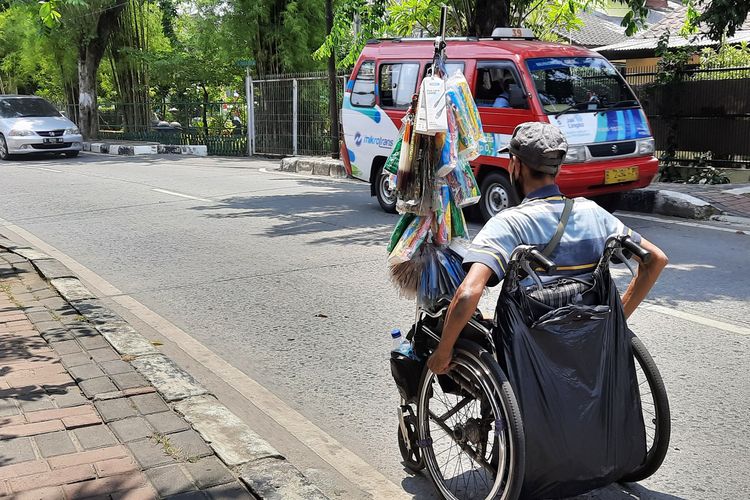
[453, 443]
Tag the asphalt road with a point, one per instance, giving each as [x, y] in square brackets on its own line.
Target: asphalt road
[284, 277]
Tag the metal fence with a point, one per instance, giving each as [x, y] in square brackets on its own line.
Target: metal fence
[292, 114]
[291, 117]
[698, 113]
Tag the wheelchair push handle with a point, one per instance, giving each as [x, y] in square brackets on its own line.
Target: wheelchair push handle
[637, 250]
[543, 261]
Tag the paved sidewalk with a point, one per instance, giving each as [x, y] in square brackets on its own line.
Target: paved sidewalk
[76, 420]
[732, 199]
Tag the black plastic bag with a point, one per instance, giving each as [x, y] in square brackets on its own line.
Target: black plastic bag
[573, 373]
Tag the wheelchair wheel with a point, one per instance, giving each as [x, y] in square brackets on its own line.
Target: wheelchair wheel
[411, 453]
[470, 428]
[655, 408]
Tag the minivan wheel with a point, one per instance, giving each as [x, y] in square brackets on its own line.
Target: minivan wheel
[497, 195]
[386, 193]
[4, 149]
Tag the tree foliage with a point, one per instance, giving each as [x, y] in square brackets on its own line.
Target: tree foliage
[357, 21]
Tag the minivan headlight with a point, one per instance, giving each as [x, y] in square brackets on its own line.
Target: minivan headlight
[575, 154]
[21, 132]
[72, 131]
[646, 146]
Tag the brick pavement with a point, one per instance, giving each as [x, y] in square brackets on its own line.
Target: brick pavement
[730, 198]
[76, 420]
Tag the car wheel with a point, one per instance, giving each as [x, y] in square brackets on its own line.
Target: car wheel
[497, 195]
[71, 154]
[386, 193]
[4, 155]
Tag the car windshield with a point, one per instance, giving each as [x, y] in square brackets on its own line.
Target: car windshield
[23, 107]
[579, 84]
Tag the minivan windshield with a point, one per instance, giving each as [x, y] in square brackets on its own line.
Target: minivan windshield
[579, 84]
[25, 107]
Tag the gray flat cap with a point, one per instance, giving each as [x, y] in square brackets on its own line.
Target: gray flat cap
[541, 146]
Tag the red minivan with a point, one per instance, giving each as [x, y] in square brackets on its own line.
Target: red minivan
[514, 79]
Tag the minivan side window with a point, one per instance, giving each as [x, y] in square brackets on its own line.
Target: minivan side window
[498, 86]
[397, 84]
[450, 68]
[363, 91]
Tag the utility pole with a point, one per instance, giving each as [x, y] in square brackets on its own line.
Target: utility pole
[332, 86]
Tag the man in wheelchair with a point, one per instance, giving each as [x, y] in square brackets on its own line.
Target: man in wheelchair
[572, 233]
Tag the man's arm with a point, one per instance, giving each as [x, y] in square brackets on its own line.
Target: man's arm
[463, 305]
[645, 278]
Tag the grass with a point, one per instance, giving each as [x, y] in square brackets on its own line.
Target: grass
[6, 288]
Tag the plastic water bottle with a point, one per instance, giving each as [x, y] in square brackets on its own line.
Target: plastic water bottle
[400, 344]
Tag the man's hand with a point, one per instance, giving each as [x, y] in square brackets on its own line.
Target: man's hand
[462, 306]
[645, 278]
[440, 361]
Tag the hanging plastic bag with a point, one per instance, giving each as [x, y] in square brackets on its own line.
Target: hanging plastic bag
[458, 222]
[463, 185]
[442, 234]
[398, 231]
[391, 164]
[411, 239]
[447, 143]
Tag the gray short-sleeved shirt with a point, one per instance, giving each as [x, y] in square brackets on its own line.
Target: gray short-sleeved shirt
[535, 221]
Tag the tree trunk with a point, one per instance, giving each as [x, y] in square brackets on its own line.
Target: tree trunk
[205, 108]
[90, 52]
[488, 15]
[88, 120]
[333, 104]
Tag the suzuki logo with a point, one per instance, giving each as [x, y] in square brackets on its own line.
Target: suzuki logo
[614, 149]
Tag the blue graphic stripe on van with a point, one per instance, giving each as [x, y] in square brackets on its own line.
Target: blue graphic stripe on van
[373, 113]
[351, 154]
[350, 85]
[632, 115]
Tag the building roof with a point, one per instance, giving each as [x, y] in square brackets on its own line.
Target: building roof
[644, 44]
[597, 30]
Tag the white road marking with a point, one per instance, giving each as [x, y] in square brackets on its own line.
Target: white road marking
[347, 463]
[42, 168]
[738, 191]
[676, 222]
[701, 320]
[181, 195]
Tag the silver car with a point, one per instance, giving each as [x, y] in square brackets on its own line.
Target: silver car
[29, 124]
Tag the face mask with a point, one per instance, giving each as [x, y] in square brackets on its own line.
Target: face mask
[515, 181]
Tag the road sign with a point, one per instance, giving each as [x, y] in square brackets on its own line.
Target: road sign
[246, 63]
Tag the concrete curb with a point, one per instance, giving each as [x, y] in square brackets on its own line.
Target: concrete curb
[665, 202]
[260, 466]
[145, 149]
[314, 165]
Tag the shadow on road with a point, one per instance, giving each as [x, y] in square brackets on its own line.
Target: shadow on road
[421, 488]
[338, 213]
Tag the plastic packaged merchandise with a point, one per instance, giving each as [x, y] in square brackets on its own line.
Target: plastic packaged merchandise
[433, 182]
[411, 239]
[442, 231]
[398, 231]
[391, 164]
[463, 185]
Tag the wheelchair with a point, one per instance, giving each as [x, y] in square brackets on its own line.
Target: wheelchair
[465, 428]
